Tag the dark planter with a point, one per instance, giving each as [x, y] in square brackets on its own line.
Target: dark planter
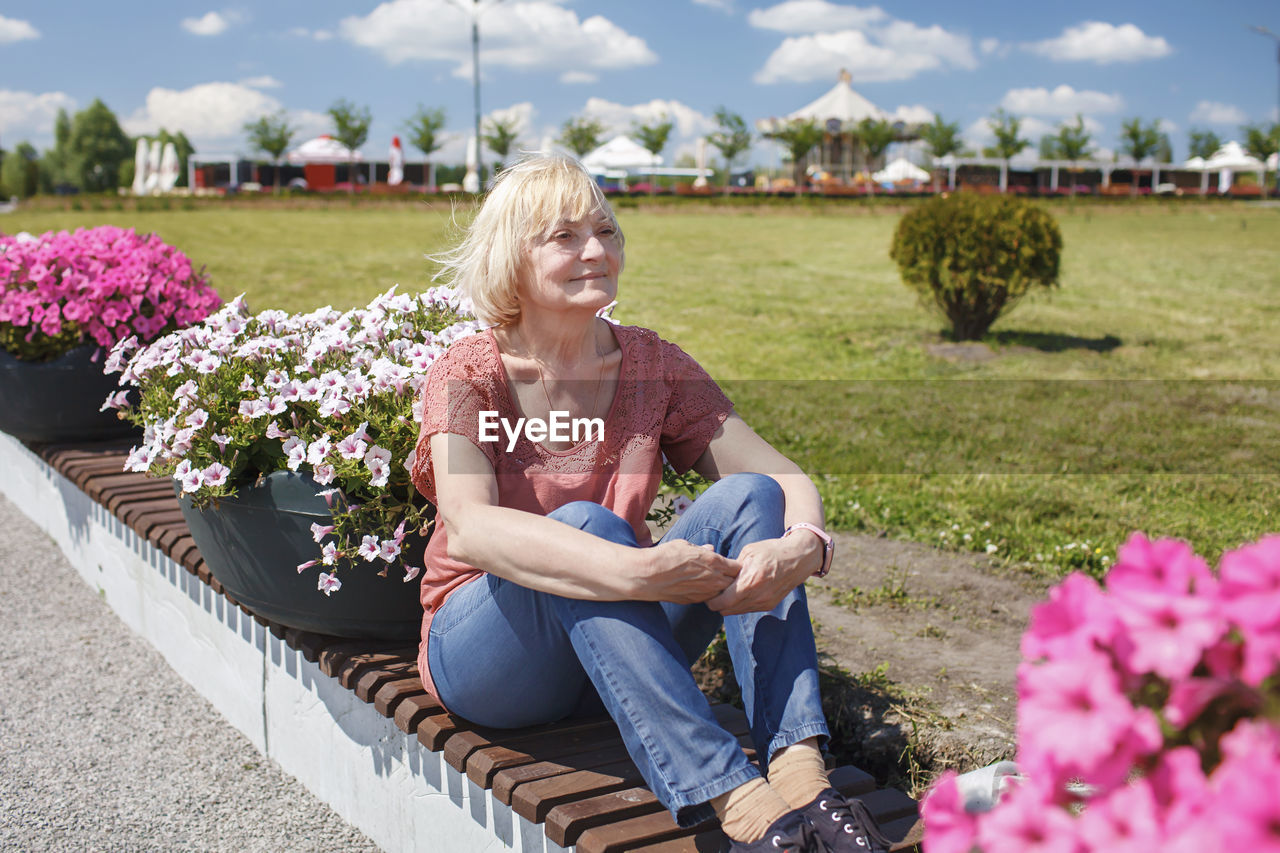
[254, 542]
[58, 400]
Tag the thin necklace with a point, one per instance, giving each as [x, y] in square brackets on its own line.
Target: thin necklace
[595, 398]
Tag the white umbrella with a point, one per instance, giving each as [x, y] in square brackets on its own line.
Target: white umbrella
[140, 167]
[621, 152]
[168, 168]
[323, 149]
[395, 172]
[701, 160]
[153, 168]
[900, 169]
[471, 181]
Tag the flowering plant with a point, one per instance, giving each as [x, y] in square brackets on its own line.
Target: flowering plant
[1148, 714]
[102, 284]
[333, 394]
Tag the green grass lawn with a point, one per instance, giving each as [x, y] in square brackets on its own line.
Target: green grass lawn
[1051, 451]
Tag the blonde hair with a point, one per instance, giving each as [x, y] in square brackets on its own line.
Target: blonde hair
[527, 200]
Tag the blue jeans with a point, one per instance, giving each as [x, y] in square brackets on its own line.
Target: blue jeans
[505, 656]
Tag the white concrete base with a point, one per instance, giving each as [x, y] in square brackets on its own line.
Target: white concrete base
[400, 794]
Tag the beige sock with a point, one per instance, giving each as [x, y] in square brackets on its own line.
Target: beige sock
[747, 812]
[797, 773]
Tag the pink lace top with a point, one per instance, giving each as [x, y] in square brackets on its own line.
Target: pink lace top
[665, 403]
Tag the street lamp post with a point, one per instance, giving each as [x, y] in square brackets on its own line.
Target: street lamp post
[474, 10]
[1263, 31]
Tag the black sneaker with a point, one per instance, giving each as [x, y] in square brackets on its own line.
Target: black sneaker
[791, 832]
[845, 825]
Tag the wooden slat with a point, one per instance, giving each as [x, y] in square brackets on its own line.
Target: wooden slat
[630, 833]
[485, 763]
[391, 694]
[412, 710]
[566, 821]
[533, 800]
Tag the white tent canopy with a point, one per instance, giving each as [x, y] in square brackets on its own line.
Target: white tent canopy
[620, 153]
[322, 149]
[900, 169]
[1233, 156]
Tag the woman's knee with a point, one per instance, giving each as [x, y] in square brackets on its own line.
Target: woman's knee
[594, 519]
[750, 491]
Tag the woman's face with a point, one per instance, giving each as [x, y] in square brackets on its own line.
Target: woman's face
[573, 265]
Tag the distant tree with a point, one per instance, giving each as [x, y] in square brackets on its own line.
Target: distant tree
[1164, 149]
[20, 171]
[1006, 128]
[57, 168]
[1203, 143]
[499, 136]
[1048, 147]
[581, 135]
[799, 136]
[351, 128]
[941, 138]
[1072, 142]
[653, 137]
[423, 130]
[271, 135]
[1261, 142]
[731, 139]
[876, 136]
[1139, 141]
[97, 146]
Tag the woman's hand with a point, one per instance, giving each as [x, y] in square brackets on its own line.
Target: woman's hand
[771, 568]
[684, 573]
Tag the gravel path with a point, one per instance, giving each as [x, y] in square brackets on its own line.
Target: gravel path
[103, 747]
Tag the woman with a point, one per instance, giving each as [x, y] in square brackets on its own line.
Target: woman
[542, 595]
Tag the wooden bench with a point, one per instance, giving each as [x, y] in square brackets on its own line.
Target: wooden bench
[573, 777]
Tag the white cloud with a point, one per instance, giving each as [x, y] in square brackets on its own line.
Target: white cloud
[527, 35]
[989, 46]
[899, 51]
[1213, 112]
[213, 115]
[318, 35]
[15, 29]
[1103, 43]
[686, 121]
[814, 16]
[978, 135]
[210, 24]
[27, 114]
[1062, 101]
[722, 5]
[916, 114]
[579, 77]
[266, 81]
[520, 115]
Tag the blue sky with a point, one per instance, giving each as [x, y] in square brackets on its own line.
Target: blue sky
[207, 68]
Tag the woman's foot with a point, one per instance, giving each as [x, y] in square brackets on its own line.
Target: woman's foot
[844, 825]
[792, 833]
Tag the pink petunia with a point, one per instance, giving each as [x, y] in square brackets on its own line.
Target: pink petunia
[215, 475]
[118, 400]
[1166, 565]
[351, 447]
[295, 449]
[1025, 822]
[1124, 821]
[1250, 594]
[389, 550]
[328, 553]
[323, 474]
[948, 827]
[369, 548]
[328, 583]
[1074, 720]
[410, 572]
[1170, 631]
[197, 419]
[319, 531]
[256, 408]
[1078, 617]
[302, 567]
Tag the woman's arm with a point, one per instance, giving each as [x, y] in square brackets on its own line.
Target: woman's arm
[771, 568]
[543, 554]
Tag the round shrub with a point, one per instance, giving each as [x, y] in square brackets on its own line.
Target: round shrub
[975, 256]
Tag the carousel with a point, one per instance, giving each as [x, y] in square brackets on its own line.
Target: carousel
[842, 156]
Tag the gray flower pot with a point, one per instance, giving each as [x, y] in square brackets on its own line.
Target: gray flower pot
[58, 400]
[254, 542]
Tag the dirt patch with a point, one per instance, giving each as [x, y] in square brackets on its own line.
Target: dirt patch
[919, 649]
